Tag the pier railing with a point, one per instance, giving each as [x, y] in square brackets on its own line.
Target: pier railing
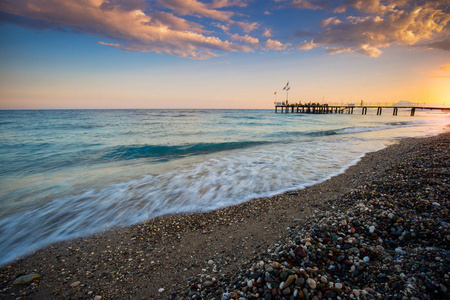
[349, 108]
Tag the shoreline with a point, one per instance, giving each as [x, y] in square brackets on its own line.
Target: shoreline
[140, 261]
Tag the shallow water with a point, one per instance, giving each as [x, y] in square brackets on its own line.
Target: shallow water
[71, 173]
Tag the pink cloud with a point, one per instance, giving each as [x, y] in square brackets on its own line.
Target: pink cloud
[246, 39]
[275, 45]
[267, 32]
[384, 23]
[129, 26]
[195, 8]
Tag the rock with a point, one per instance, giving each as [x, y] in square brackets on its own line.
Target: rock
[366, 259]
[75, 284]
[161, 290]
[98, 298]
[276, 265]
[26, 279]
[312, 284]
[210, 283]
[300, 252]
[289, 280]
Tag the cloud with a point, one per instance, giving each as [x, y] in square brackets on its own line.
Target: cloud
[267, 33]
[306, 45]
[275, 45]
[190, 28]
[228, 3]
[160, 18]
[195, 8]
[246, 39]
[131, 25]
[332, 20]
[312, 4]
[380, 24]
[246, 26]
[442, 72]
[443, 45]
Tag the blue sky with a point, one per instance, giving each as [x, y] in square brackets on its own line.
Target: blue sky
[221, 53]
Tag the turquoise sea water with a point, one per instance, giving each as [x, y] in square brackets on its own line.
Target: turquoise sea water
[71, 173]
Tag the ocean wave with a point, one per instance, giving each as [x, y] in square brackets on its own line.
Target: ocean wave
[213, 183]
[166, 152]
[330, 132]
[360, 129]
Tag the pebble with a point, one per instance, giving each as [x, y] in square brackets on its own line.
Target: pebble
[384, 239]
[26, 279]
[209, 283]
[362, 243]
[75, 284]
[312, 284]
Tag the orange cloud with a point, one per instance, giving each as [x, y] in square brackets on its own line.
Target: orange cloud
[246, 39]
[442, 72]
[130, 27]
[385, 23]
[275, 45]
[196, 8]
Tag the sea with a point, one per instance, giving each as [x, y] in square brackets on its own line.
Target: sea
[72, 173]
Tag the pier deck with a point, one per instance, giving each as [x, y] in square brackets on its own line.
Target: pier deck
[340, 109]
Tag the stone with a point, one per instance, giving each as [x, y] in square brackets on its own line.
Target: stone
[289, 280]
[75, 284]
[312, 284]
[300, 252]
[209, 283]
[26, 279]
[276, 265]
[338, 285]
[161, 290]
[98, 298]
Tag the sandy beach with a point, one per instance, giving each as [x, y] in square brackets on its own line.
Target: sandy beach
[380, 230]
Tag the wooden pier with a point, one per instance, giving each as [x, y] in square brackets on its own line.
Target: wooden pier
[340, 109]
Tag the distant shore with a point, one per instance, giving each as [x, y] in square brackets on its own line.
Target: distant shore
[188, 255]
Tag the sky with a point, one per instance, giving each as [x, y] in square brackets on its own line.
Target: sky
[94, 54]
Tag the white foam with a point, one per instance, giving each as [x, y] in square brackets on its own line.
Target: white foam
[216, 182]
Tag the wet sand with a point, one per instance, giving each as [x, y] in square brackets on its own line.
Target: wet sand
[174, 256]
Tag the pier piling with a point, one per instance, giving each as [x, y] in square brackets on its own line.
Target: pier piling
[340, 109]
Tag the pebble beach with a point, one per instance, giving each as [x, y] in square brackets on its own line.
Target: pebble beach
[378, 231]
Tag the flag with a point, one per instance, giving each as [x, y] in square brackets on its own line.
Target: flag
[287, 84]
[288, 88]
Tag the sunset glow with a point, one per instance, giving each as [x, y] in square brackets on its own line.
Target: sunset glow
[221, 53]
